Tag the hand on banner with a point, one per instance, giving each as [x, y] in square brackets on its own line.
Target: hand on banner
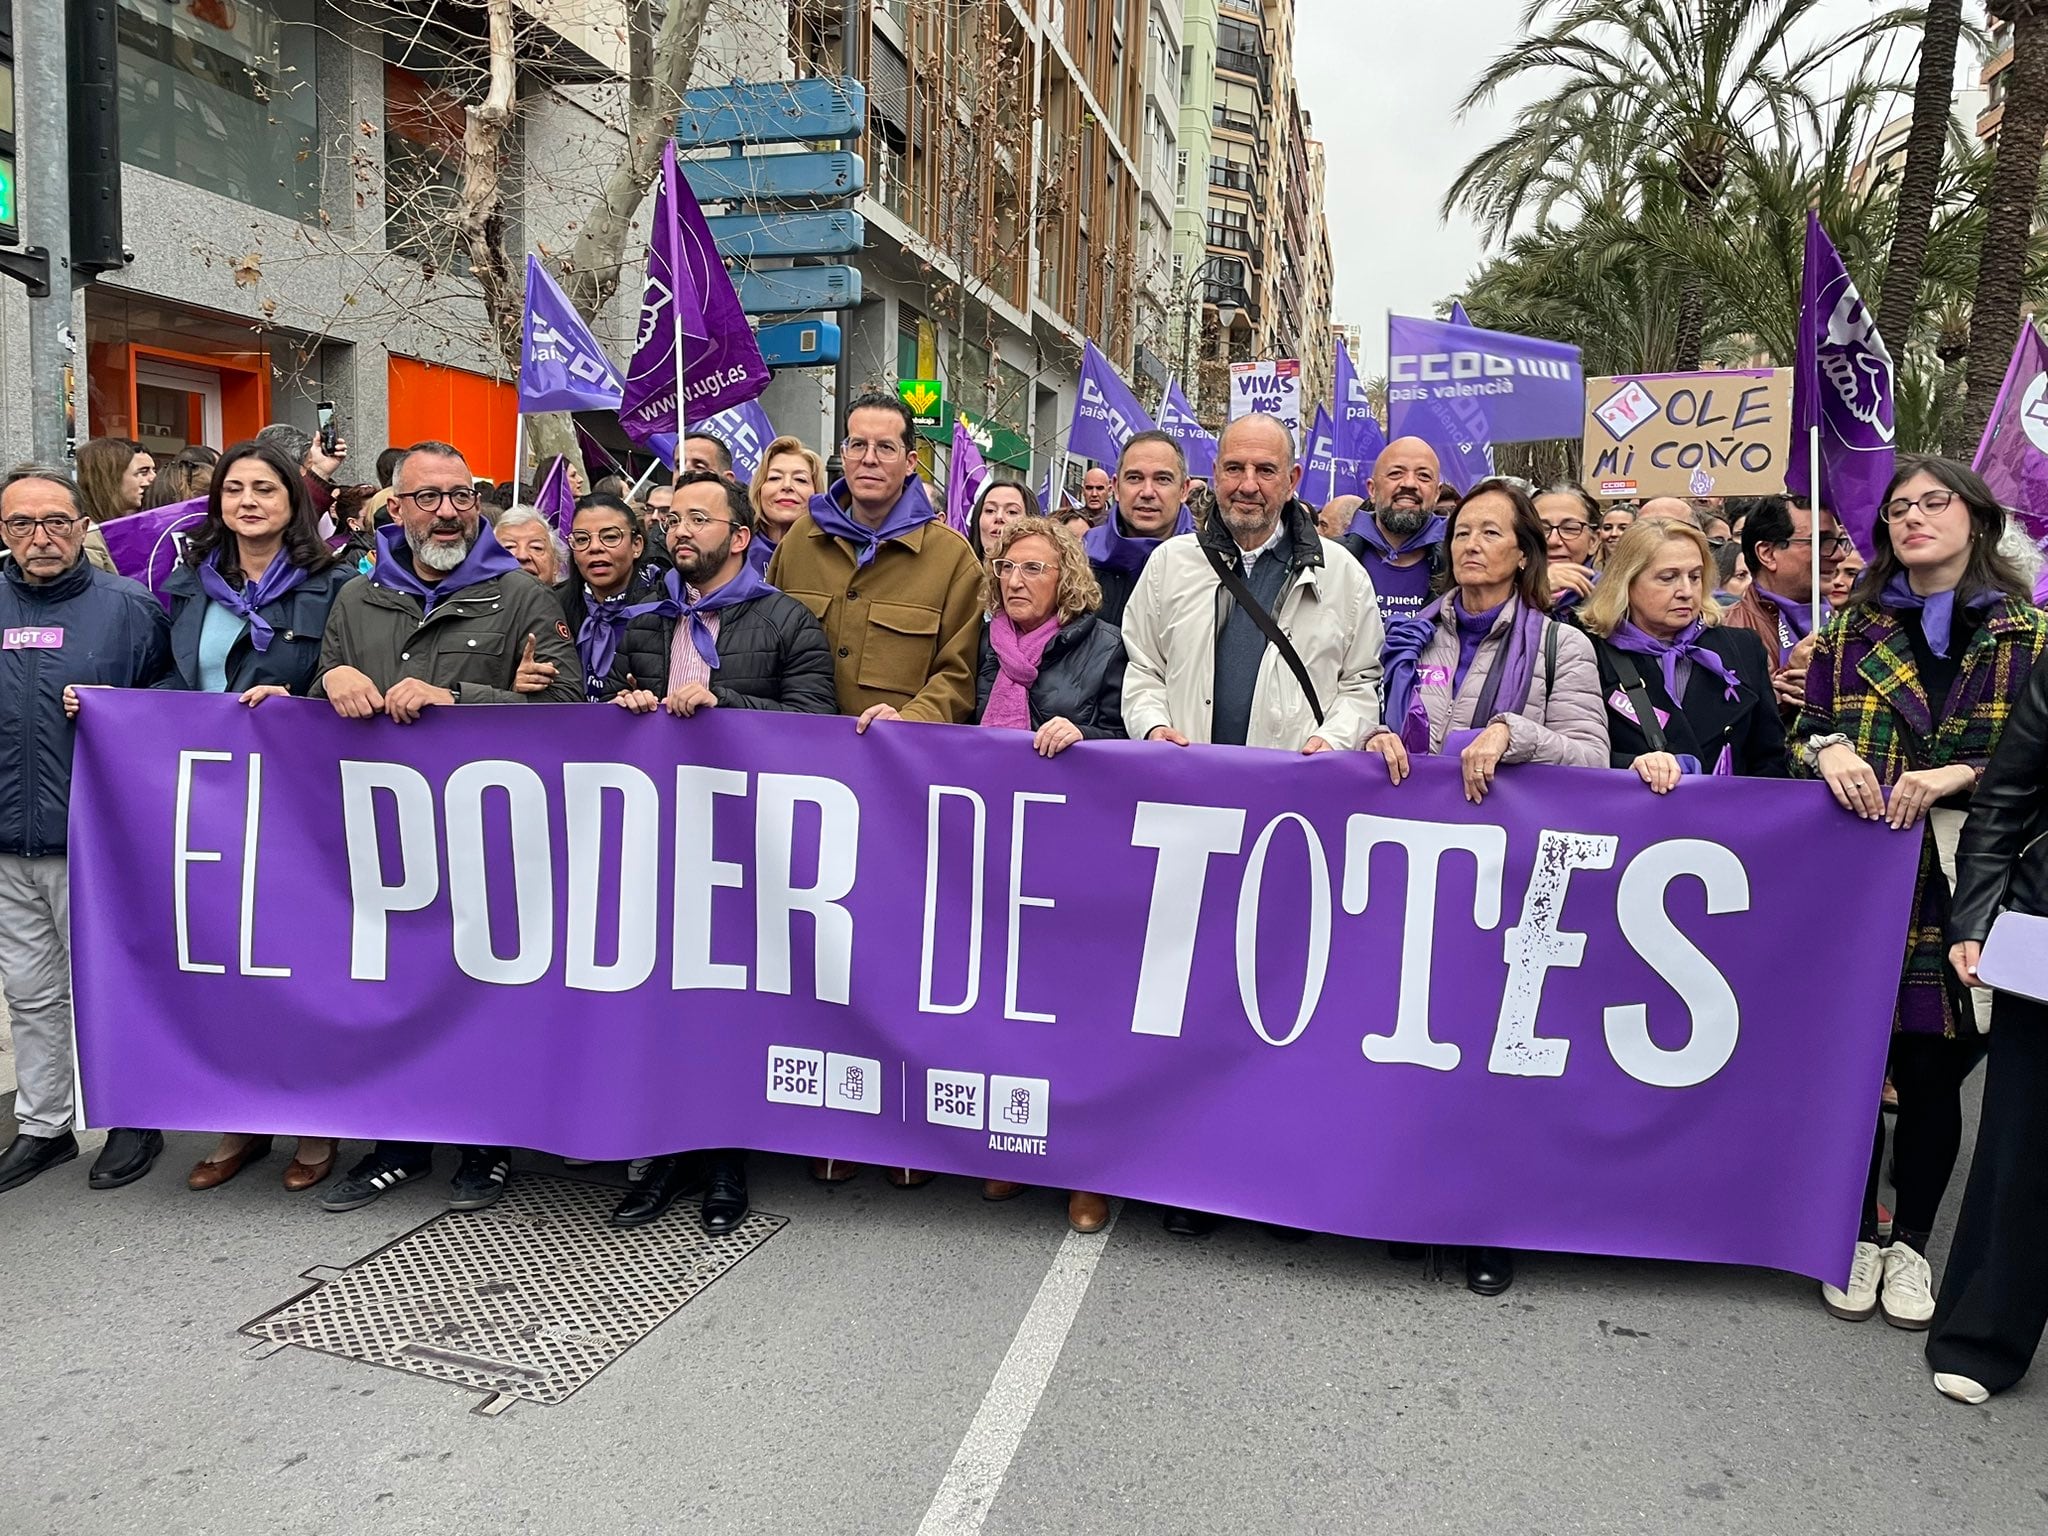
[410, 697]
[533, 675]
[264, 691]
[1055, 736]
[1479, 760]
[637, 700]
[1389, 745]
[1659, 770]
[352, 694]
[1166, 733]
[691, 697]
[1919, 791]
[1314, 745]
[1853, 781]
[70, 701]
[873, 713]
[1964, 958]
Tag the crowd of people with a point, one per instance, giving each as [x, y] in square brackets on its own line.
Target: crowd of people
[1494, 626]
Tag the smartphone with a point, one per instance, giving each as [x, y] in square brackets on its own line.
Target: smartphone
[328, 437]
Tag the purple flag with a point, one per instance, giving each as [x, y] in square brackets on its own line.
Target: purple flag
[1462, 389]
[722, 361]
[561, 366]
[1843, 385]
[147, 546]
[966, 473]
[444, 910]
[1359, 438]
[1324, 476]
[746, 432]
[1458, 315]
[2013, 458]
[598, 458]
[555, 497]
[1177, 420]
[1106, 414]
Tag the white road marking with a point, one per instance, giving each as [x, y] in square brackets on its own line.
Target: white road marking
[983, 1460]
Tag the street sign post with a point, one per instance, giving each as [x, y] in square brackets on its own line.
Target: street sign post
[798, 290]
[751, 236]
[772, 112]
[821, 175]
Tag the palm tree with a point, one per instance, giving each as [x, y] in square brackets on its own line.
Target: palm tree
[2009, 214]
[1933, 90]
[1692, 84]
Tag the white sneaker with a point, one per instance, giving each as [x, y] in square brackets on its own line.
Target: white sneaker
[1859, 1301]
[1961, 1388]
[1908, 1295]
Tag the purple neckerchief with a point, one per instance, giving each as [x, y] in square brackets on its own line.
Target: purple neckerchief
[1937, 609]
[746, 585]
[2041, 588]
[1684, 646]
[247, 601]
[1795, 620]
[1111, 548]
[604, 621]
[1472, 628]
[1513, 673]
[487, 559]
[1367, 527]
[760, 552]
[912, 511]
[1400, 656]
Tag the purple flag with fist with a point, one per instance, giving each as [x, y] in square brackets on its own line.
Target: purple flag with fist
[1843, 385]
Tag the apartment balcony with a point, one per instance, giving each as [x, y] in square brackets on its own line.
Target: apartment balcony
[1228, 238]
[1234, 178]
[1255, 67]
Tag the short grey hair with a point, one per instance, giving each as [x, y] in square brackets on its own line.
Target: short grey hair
[520, 516]
[293, 442]
[49, 472]
[432, 450]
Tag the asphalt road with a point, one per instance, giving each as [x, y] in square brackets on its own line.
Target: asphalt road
[906, 1361]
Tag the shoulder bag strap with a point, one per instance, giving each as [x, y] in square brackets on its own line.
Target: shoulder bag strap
[1234, 584]
[1550, 628]
[1639, 695]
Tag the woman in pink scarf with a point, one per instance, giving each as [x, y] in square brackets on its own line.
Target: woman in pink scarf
[1051, 667]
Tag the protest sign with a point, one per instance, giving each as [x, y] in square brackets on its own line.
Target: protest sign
[1688, 434]
[1272, 387]
[1236, 980]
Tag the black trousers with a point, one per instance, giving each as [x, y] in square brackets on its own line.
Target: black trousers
[1994, 1294]
[1927, 1132]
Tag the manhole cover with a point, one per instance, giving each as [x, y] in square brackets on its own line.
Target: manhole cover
[526, 1301]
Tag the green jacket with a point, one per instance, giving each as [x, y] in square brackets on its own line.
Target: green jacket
[470, 644]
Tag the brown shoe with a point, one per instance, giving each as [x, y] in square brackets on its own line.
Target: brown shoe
[1086, 1212]
[833, 1170]
[910, 1178]
[304, 1175]
[213, 1173]
[1001, 1189]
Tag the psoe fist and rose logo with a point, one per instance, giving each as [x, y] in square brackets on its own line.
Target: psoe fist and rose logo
[1011, 1111]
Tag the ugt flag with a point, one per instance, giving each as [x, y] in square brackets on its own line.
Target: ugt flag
[1462, 389]
[966, 473]
[555, 497]
[1359, 437]
[721, 363]
[2013, 458]
[1843, 385]
[746, 432]
[1106, 415]
[561, 366]
[1178, 421]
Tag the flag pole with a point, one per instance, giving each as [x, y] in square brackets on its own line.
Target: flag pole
[1813, 517]
[640, 485]
[518, 453]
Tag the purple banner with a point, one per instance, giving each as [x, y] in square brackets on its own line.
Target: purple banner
[1843, 385]
[1177, 420]
[1324, 476]
[1359, 437]
[746, 432]
[147, 546]
[1468, 388]
[555, 498]
[1106, 414]
[561, 366]
[1236, 980]
[2013, 457]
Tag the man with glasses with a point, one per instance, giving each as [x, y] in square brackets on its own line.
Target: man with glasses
[1781, 608]
[446, 617]
[1400, 538]
[898, 593]
[63, 626]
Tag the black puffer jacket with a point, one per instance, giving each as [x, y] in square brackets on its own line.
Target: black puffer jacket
[2003, 857]
[771, 655]
[1080, 679]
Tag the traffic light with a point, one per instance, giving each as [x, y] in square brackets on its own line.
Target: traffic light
[92, 73]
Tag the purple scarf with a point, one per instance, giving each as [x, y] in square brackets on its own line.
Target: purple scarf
[746, 585]
[1506, 690]
[1112, 549]
[1017, 658]
[1795, 620]
[248, 601]
[1684, 646]
[487, 559]
[912, 511]
[1937, 609]
[1472, 628]
[1367, 527]
[1399, 659]
[604, 622]
[759, 553]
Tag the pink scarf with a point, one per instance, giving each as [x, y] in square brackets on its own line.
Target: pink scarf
[1017, 658]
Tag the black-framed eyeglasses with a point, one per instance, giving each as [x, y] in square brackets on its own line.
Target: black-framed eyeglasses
[1830, 543]
[26, 527]
[604, 538]
[1570, 528]
[462, 498]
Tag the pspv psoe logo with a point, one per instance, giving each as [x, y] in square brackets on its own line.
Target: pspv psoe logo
[958, 1099]
[824, 1079]
[1007, 1107]
[795, 1075]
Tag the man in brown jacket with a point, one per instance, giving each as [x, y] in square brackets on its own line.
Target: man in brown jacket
[899, 592]
[1780, 607]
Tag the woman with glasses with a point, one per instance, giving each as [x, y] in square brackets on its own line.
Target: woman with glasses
[1049, 666]
[606, 586]
[1906, 699]
[1571, 530]
[780, 493]
[249, 604]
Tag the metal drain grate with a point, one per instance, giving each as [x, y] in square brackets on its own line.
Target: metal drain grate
[527, 1300]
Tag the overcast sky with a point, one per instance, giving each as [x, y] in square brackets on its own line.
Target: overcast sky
[1382, 79]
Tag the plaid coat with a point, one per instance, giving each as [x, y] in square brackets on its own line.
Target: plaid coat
[1864, 684]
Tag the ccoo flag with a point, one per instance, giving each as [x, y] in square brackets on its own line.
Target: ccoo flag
[1325, 476]
[1359, 437]
[2013, 458]
[1106, 415]
[966, 473]
[746, 432]
[1178, 421]
[721, 362]
[561, 366]
[1843, 385]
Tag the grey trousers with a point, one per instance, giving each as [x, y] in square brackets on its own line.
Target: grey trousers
[35, 976]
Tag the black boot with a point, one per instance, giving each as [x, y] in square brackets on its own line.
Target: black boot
[27, 1156]
[1489, 1271]
[666, 1179]
[1189, 1223]
[725, 1198]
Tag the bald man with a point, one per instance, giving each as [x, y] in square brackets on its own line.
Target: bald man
[1676, 508]
[1095, 489]
[1400, 539]
[1334, 521]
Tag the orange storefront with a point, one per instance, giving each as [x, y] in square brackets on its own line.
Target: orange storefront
[428, 402]
[169, 376]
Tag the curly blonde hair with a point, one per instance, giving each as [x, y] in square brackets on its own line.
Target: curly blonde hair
[1078, 590]
[1630, 557]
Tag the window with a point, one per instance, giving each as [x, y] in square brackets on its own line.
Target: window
[222, 97]
[1180, 179]
[422, 171]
